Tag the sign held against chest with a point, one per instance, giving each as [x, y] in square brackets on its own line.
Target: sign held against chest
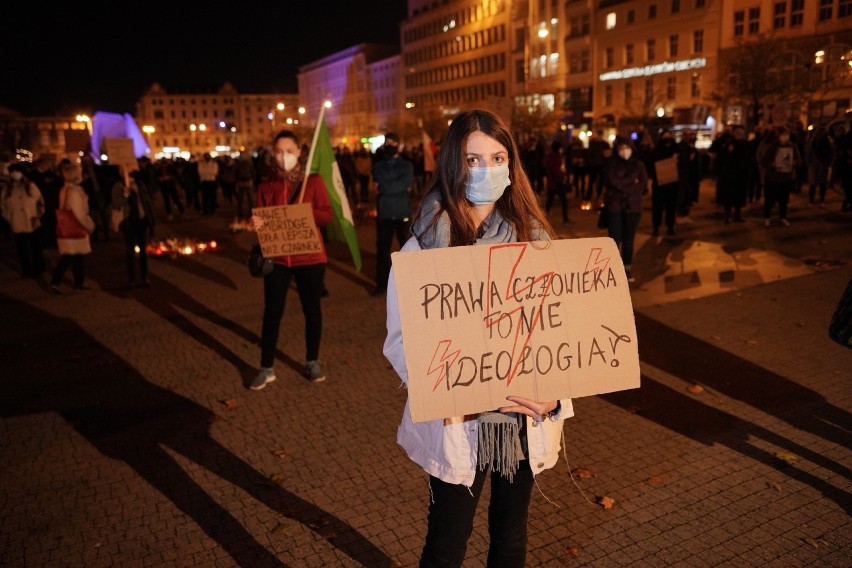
[544, 320]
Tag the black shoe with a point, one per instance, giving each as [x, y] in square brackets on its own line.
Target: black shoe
[378, 292]
[55, 290]
[655, 232]
[670, 232]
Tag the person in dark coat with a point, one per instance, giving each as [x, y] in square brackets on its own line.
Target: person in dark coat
[734, 161]
[625, 179]
[663, 195]
[556, 183]
[394, 176]
[781, 163]
[133, 199]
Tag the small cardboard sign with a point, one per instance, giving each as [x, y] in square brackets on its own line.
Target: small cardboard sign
[666, 170]
[120, 153]
[288, 230]
[545, 320]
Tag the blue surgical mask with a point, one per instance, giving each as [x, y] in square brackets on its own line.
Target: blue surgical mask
[486, 185]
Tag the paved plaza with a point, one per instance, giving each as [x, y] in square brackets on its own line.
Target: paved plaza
[128, 437]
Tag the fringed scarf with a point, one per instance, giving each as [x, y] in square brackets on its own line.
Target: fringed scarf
[499, 442]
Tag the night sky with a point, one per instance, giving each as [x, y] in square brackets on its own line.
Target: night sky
[91, 56]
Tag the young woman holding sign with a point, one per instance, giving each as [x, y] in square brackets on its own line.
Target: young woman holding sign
[280, 187]
[479, 196]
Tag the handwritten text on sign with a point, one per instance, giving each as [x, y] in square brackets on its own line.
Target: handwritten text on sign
[288, 229]
[541, 320]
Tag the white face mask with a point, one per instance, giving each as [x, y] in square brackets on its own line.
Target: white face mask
[625, 153]
[486, 185]
[287, 161]
[17, 176]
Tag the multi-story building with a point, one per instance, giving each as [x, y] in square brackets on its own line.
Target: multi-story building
[346, 79]
[577, 55]
[456, 56]
[785, 61]
[220, 122]
[655, 64]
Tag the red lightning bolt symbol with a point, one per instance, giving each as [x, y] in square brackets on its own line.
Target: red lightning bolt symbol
[441, 365]
[595, 262]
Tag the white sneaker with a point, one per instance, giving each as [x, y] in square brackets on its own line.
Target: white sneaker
[785, 222]
[263, 377]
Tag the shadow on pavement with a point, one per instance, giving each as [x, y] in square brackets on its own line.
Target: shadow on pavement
[130, 419]
[698, 362]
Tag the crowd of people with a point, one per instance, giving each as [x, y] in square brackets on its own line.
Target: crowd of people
[487, 187]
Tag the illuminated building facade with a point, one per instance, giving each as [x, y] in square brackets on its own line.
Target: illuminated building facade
[352, 80]
[220, 122]
[456, 55]
[798, 55]
[655, 64]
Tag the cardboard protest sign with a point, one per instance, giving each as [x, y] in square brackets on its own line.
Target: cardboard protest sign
[666, 170]
[288, 229]
[544, 320]
[120, 153]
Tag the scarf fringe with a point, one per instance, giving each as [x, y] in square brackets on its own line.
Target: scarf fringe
[499, 444]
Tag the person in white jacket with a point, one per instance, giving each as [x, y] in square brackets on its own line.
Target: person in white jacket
[479, 195]
[23, 208]
[72, 251]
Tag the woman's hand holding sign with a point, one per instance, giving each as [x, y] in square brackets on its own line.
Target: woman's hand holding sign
[534, 409]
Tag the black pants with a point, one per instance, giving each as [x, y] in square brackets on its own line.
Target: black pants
[170, 194]
[664, 201]
[364, 186]
[245, 199]
[208, 197]
[75, 261]
[136, 235]
[309, 283]
[557, 190]
[777, 192]
[451, 512]
[385, 230]
[30, 254]
[622, 229]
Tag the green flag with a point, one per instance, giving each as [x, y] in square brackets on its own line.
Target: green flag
[342, 227]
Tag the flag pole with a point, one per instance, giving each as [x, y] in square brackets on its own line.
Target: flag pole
[311, 153]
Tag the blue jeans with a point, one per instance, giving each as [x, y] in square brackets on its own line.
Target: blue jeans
[451, 520]
[309, 282]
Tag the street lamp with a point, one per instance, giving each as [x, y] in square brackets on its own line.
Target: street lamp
[88, 121]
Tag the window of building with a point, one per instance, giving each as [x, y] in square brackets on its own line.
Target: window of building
[695, 85]
[754, 20]
[673, 45]
[519, 71]
[699, 3]
[698, 41]
[652, 11]
[675, 6]
[844, 8]
[651, 48]
[628, 54]
[649, 90]
[631, 16]
[797, 13]
[628, 92]
[739, 23]
[608, 58]
[671, 88]
[826, 7]
[779, 15]
[608, 95]
[610, 20]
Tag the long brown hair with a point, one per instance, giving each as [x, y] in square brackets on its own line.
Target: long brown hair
[518, 205]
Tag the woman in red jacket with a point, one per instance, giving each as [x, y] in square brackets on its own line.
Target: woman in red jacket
[281, 187]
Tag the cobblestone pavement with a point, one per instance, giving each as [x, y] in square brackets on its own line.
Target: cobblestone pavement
[128, 436]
